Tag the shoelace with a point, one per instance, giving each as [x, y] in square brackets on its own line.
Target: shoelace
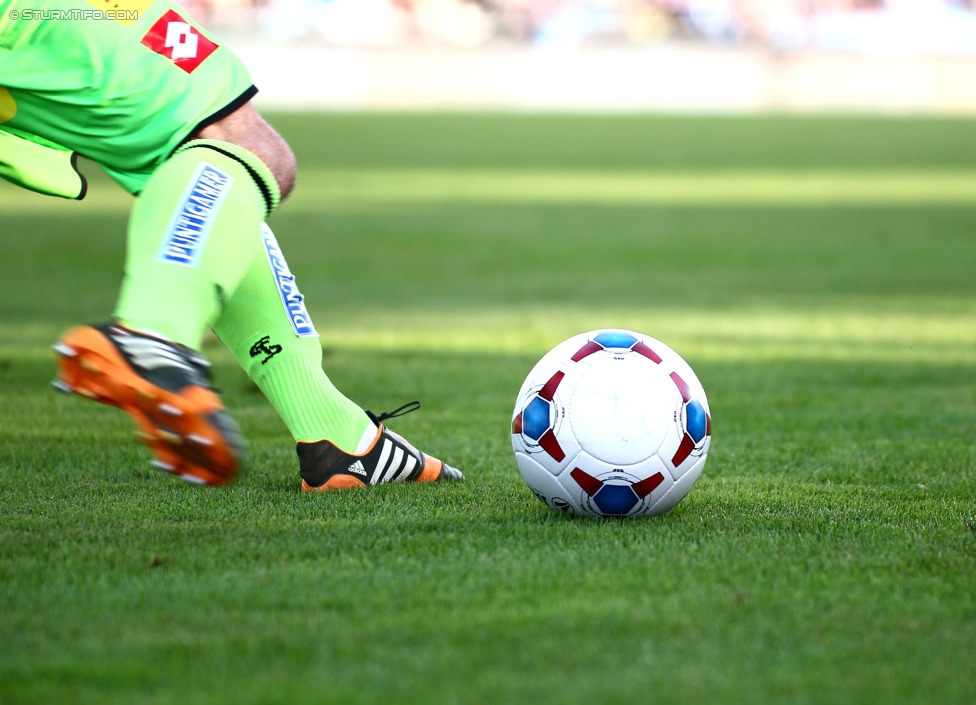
[399, 411]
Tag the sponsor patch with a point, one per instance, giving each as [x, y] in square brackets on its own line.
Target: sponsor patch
[193, 218]
[291, 298]
[179, 41]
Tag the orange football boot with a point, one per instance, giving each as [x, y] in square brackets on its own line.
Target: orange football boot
[164, 387]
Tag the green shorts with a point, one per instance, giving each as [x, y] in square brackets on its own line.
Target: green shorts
[122, 82]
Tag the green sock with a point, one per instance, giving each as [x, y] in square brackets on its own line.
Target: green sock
[267, 329]
[193, 233]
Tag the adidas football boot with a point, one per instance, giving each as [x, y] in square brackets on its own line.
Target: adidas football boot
[164, 387]
[390, 459]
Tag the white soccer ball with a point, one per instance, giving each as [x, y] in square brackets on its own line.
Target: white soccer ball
[611, 423]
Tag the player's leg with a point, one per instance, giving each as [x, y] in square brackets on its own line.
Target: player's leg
[267, 328]
[193, 234]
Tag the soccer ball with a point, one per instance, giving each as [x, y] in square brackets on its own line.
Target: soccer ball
[611, 423]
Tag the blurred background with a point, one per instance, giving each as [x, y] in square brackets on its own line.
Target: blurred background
[721, 55]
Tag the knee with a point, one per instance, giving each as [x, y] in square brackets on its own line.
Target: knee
[246, 128]
[281, 160]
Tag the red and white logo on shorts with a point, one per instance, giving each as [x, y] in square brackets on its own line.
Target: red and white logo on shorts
[180, 42]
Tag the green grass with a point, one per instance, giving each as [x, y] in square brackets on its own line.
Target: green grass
[818, 274]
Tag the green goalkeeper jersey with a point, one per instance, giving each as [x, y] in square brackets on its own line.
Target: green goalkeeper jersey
[122, 82]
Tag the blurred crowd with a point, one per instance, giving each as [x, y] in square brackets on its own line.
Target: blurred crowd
[865, 26]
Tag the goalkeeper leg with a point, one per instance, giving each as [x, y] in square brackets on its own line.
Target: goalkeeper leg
[193, 233]
[267, 328]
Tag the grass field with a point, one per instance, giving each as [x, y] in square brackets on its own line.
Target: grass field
[818, 273]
